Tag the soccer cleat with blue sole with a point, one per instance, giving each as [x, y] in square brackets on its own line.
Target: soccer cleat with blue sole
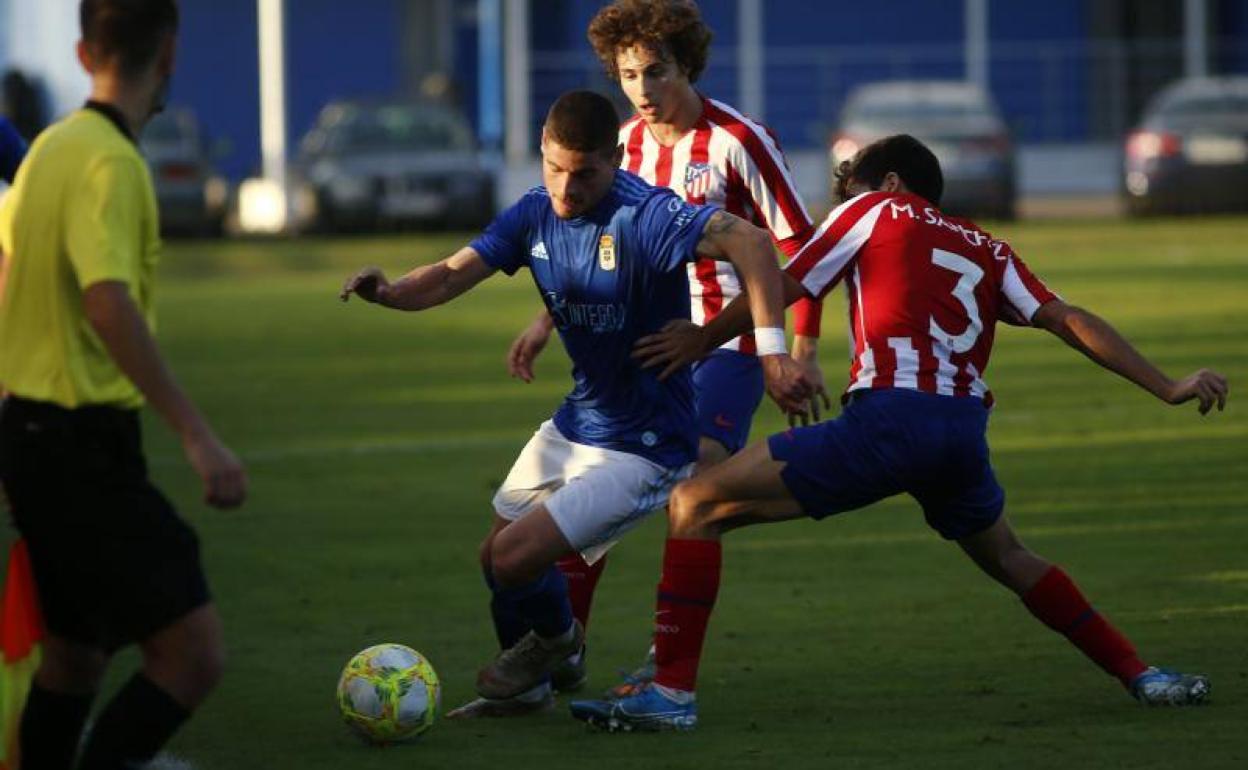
[1162, 687]
[647, 711]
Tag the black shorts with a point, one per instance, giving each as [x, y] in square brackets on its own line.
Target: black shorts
[113, 561]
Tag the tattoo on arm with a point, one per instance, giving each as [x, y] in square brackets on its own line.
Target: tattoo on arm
[720, 223]
[719, 226]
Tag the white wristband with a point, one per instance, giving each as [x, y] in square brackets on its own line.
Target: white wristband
[769, 341]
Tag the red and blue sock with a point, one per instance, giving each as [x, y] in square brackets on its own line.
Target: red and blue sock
[1057, 602]
[687, 592]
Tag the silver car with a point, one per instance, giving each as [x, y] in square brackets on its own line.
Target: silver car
[191, 195]
[1190, 151]
[374, 165]
[957, 120]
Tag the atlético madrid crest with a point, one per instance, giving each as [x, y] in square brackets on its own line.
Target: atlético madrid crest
[606, 252]
[698, 178]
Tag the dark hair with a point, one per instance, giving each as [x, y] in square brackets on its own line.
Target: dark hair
[584, 121]
[909, 158]
[670, 27]
[127, 31]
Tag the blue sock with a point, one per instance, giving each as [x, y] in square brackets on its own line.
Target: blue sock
[544, 602]
[509, 623]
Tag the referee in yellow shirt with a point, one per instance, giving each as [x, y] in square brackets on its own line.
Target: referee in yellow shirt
[114, 563]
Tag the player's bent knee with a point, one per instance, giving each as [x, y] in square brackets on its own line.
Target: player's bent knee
[483, 554]
[689, 508]
[510, 567]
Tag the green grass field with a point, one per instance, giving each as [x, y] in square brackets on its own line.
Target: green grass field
[374, 440]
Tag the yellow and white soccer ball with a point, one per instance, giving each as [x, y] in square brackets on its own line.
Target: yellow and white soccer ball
[389, 693]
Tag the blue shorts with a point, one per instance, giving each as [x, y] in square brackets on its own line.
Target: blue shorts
[727, 389]
[891, 441]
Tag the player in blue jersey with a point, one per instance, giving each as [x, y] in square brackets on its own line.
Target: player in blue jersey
[707, 152]
[608, 253]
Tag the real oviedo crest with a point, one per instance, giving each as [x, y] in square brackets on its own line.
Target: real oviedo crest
[606, 252]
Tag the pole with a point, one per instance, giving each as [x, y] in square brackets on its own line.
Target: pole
[1195, 38]
[750, 57]
[976, 43]
[489, 73]
[518, 100]
[273, 90]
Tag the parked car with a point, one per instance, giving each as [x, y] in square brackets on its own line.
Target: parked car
[1190, 151]
[957, 120]
[191, 195]
[367, 165]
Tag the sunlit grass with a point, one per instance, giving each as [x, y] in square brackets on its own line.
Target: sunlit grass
[375, 440]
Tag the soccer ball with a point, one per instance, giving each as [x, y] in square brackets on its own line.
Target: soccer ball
[389, 693]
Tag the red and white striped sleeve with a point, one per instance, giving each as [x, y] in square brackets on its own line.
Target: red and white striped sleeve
[758, 160]
[767, 182]
[1019, 286]
[827, 255]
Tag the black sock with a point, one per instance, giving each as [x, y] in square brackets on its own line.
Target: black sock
[51, 726]
[133, 727]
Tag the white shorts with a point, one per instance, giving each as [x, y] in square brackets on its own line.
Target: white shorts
[594, 495]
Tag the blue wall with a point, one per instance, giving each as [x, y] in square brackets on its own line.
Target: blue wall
[217, 76]
[1048, 99]
[333, 50]
[339, 50]
[821, 51]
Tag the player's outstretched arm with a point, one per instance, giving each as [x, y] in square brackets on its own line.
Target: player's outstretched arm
[681, 343]
[422, 288]
[526, 348]
[729, 238]
[1098, 340]
[120, 326]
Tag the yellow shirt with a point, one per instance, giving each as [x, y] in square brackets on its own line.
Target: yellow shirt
[81, 210]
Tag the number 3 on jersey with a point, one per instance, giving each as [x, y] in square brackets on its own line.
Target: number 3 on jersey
[969, 276]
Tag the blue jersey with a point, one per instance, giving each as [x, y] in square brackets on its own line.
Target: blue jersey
[608, 278]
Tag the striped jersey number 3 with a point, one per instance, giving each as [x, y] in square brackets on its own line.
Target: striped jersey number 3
[969, 276]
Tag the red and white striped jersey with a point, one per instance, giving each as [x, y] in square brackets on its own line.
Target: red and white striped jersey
[733, 162]
[925, 292]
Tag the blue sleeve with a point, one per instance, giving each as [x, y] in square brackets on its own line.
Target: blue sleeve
[670, 230]
[12, 150]
[504, 244]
